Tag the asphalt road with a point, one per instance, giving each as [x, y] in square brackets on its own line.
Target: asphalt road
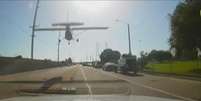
[90, 81]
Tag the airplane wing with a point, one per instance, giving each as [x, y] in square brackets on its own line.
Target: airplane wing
[89, 28]
[50, 29]
[75, 28]
[68, 24]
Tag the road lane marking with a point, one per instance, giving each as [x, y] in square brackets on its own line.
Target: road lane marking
[151, 88]
[85, 79]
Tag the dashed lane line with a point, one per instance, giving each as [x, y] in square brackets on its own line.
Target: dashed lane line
[85, 79]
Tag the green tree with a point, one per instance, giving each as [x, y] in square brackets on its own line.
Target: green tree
[116, 55]
[142, 61]
[19, 57]
[159, 55]
[186, 29]
[108, 55]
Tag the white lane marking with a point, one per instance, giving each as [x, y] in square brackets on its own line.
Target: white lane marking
[85, 79]
[148, 87]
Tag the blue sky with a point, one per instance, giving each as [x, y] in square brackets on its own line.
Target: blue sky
[148, 20]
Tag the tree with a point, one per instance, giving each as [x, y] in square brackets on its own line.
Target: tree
[19, 57]
[108, 55]
[186, 29]
[116, 55]
[143, 58]
[105, 55]
[154, 55]
[159, 55]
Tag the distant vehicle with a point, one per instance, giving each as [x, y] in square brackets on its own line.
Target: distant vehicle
[98, 65]
[128, 64]
[109, 66]
[86, 64]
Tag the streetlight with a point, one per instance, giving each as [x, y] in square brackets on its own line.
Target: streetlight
[129, 39]
[140, 45]
[33, 29]
[58, 47]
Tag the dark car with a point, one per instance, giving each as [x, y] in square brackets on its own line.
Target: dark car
[109, 66]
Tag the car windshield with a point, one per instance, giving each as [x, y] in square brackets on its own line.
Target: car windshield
[148, 48]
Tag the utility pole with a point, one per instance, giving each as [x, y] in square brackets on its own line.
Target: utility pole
[129, 40]
[33, 29]
[106, 45]
[97, 51]
[129, 37]
[59, 41]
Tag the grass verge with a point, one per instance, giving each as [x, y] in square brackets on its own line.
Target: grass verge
[176, 67]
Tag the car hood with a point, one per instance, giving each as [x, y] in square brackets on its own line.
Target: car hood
[88, 98]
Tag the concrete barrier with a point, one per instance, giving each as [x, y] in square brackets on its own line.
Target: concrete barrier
[14, 65]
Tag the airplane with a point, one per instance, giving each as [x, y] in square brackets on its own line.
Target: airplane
[67, 27]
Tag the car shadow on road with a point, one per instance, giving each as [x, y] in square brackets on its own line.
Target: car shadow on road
[45, 88]
[133, 75]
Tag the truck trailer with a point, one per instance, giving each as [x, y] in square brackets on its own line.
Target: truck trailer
[127, 64]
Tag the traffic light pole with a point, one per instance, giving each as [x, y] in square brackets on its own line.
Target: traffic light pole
[33, 29]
